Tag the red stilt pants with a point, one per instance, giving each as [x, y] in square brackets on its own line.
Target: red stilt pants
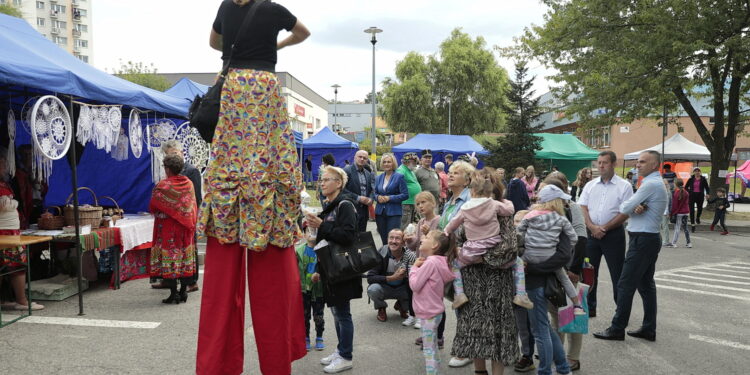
[275, 307]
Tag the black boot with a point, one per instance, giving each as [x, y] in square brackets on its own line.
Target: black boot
[184, 282]
[173, 296]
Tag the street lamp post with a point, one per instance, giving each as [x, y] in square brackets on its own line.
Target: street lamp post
[373, 31]
[449, 116]
[335, 105]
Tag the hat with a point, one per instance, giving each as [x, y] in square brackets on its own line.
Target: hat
[550, 192]
[409, 156]
[696, 169]
[465, 158]
[427, 152]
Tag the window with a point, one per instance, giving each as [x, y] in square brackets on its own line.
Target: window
[605, 136]
[59, 9]
[61, 40]
[17, 3]
[40, 21]
[78, 12]
[83, 58]
[80, 27]
[60, 24]
[40, 5]
[81, 43]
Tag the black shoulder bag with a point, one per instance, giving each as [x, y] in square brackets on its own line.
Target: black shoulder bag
[341, 263]
[204, 112]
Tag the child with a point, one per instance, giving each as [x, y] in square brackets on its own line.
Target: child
[541, 229]
[681, 209]
[427, 280]
[519, 274]
[665, 217]
[425, 203]
[722, 203]
[479, 218]
[312, 292]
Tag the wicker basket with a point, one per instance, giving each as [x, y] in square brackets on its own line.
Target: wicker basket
[90, 215]
[53, 222]
[115, 217]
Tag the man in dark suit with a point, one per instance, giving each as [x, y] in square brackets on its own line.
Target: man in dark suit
[361, 184]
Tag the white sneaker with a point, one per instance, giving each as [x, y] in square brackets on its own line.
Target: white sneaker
[327, 360]
[689, 245]
[459, 362]
[417, 324]
[338, 365]
[409, 321]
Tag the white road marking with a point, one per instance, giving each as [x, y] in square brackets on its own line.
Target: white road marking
[712, 340]
[704, 285]
[88, 322]
[731, 296]
[716, 274]
[705, 278]
[733, 266]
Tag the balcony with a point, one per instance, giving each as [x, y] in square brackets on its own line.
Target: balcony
[55, 31]
[77, 48]
[76, 33]
[53, 14]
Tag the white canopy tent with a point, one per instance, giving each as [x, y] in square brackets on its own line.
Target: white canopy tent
[678, 148]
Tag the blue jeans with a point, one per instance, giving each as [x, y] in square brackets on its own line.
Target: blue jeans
[548, 343]
[342, 320]
[386, 224]
[638, 274]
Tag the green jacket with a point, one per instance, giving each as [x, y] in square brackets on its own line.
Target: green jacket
[307, 260]
[411, 183]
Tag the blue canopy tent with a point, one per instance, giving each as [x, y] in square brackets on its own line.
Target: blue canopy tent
[326, 141]
[440, 144]
[187, 89]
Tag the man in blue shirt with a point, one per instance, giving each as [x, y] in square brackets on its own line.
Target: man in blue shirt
[644, 210]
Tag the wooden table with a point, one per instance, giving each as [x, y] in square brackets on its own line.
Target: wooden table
[14, 242]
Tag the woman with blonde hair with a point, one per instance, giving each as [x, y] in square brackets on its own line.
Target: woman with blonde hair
[390, 191]
[530, 180]
[582, 178]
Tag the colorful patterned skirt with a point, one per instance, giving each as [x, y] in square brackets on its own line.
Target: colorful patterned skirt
[253, 179]
[12, 258]
[173, 252]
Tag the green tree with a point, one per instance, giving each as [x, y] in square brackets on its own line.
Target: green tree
[623, 60]
[144, 75]
[464, 72]
[10, 10]
[518, 146]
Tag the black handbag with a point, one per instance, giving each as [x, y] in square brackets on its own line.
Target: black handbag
[204, 111]
[673, 219]
[554, 292]
[341, 263]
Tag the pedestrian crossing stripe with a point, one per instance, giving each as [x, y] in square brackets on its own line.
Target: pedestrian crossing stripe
[701, 279]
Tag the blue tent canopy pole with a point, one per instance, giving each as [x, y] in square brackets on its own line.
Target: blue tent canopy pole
[76, 214]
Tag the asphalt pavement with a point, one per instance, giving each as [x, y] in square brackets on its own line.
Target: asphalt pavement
[703, 327]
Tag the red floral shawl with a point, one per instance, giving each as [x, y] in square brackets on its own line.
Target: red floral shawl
[175, 197]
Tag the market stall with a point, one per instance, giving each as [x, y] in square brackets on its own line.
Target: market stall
[326, 141]
[440, 144]
[566, 152]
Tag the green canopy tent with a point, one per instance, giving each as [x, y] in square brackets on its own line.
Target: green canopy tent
[566, 152]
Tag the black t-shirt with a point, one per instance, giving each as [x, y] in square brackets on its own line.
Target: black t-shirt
[259, 41]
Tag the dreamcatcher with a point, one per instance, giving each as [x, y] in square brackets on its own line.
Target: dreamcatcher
[11, 157]
[135, 133]
[157, 133]
[100, 121]
[85, 128]
[195, 150]
[51, 132]
[120, 152]
[114, 120]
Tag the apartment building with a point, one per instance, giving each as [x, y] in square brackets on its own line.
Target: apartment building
[65, 22]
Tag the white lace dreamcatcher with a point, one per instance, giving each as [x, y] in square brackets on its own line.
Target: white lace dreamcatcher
[51, 132]
[85, 130]
[120, 152]
[195, 150]
[100, 121]
[157, 133]
[135, 132]
[11, 157]
[114, 119]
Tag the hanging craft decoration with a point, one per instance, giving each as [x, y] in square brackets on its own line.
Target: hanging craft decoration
[52, 131]
[11, 157]
[136, 133]
[100, 121]
[120, 152]
[195, 150]
[26, 114]
[157, 133]
[85, 128]
[114, 119]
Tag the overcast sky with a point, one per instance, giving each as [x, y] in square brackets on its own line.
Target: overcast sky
[173, 35]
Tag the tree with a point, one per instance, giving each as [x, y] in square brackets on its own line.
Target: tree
[10, 10]
[623, 60]
[144, 75]
[518, 146]
[464, 72]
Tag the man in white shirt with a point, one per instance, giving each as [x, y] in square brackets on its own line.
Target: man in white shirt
[600, 202]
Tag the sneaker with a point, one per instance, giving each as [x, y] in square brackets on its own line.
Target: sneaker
[307, 344]
[441, 343]
[523, 301]
[409, 321]
[459, 301]
[338, 365]
[693, 228]
[724, 233]
[670, 245]
[459, 362]
[689, 245]
[578, 310]
[319, 344]
[418, 341]
[417, 325]
[327, 360]
[382, 315]
[525, 364]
